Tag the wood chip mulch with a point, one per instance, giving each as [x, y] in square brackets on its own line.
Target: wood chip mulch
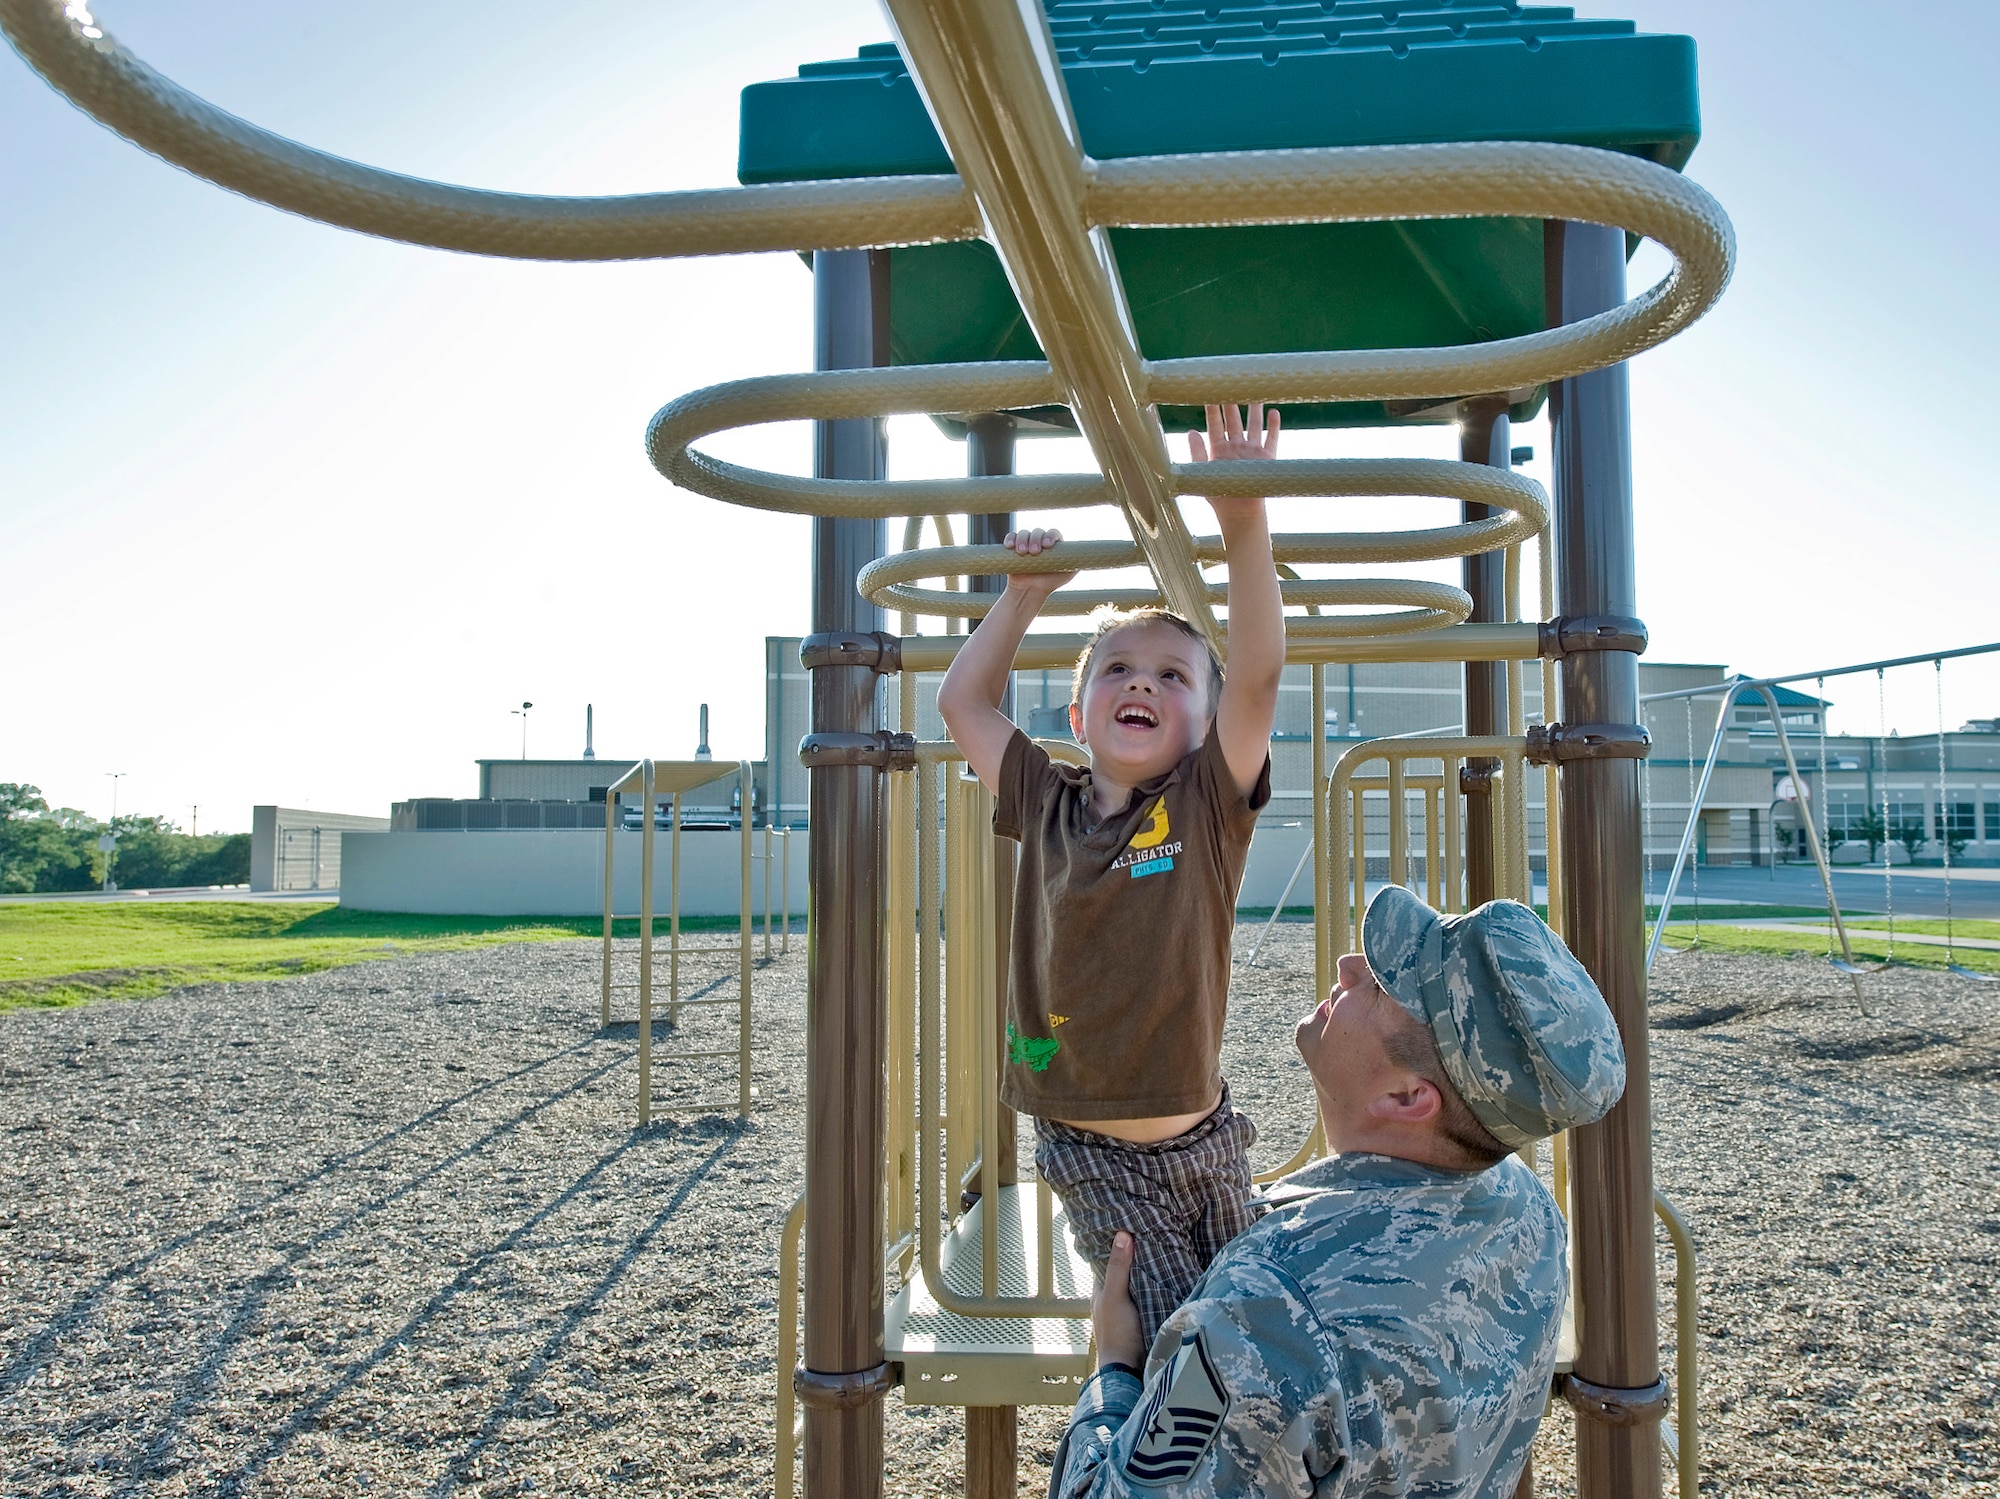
[389, 1229]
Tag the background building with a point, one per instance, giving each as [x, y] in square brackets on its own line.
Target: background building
[1749, 815]
[294, 848]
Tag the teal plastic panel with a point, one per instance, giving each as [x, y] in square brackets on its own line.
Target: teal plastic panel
[1183, 76]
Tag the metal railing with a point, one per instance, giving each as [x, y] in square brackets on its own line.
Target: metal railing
[957, 1032]
[672, 779]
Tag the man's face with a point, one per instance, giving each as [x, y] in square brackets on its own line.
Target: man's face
[1342, 1044]
[1146, 704]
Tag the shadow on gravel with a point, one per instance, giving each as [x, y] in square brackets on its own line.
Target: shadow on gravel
[200, 1385]
[37, 1349]
[1866, 1048]
[1696, 1020]
[525, 1378]
[628, 1030]
[308, 1416]
[203, 1382]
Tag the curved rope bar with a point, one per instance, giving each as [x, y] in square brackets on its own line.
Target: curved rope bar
[1521, 500]
[886, 583]
[835, 395]
[1501, 179]
[83, 63]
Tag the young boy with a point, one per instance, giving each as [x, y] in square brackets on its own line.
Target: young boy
[1126, 894]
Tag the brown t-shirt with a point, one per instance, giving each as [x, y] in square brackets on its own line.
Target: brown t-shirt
[1120, 971]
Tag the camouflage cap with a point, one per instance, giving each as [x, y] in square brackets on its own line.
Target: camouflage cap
[1522, 1030]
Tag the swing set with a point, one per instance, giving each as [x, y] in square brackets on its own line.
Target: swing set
[1814, 824]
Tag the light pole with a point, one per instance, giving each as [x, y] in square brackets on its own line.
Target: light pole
[522, 714]
[109, 842]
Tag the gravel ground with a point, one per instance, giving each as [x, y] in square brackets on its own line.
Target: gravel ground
[388, 1229]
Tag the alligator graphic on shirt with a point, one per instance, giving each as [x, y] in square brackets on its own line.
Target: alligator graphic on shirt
[1033, 1052]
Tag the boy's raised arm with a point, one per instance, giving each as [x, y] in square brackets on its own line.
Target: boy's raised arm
[1249, 701]
[969, 697]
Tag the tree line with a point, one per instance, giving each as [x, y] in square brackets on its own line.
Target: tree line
[45, 849]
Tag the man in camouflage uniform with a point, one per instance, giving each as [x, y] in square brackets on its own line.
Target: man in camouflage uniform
[1389, 1327]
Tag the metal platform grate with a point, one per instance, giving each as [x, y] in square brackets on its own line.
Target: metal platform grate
[950, 1359]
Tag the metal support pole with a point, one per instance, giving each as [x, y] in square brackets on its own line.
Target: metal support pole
[992, 1431]
[1612, 1161]
[842, 1376]
[648, 847]
[1693, 822]
[1484, 436]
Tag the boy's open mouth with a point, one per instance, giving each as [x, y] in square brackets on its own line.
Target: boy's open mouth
[1138, 715]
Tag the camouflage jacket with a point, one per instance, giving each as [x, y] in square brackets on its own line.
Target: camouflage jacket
[1386, 1329]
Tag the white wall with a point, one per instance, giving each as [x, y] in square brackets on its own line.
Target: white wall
[552, 873]
[561, 873]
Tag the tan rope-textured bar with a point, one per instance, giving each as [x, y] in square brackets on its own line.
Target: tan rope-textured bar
[884, 581]
[83, 63]
[1496, 179]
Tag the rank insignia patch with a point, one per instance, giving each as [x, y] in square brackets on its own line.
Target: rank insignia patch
[1181, 1419]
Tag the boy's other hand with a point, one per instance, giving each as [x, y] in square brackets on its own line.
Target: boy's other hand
[1234, 434]
[1035, 587]
[1113, 1318]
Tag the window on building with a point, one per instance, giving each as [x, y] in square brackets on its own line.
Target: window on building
[1993, 822]
[1962, 824]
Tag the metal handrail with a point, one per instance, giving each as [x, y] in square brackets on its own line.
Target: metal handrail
[1686, 1449]
[972, 959]
[648, 777]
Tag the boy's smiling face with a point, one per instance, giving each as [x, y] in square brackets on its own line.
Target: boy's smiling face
[1145, 706]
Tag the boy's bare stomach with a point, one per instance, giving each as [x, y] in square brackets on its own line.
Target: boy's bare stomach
[1144, 1131]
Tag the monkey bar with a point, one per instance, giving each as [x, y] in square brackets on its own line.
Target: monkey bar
[650, 780]
[1085, 169]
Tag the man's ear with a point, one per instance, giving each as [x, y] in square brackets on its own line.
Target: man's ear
[1076, 722]
[1408, 1099]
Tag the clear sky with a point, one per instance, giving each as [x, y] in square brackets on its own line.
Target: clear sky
[294, 515]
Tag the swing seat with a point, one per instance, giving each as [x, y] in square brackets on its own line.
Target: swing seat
[1859, 968]
[1973, 973]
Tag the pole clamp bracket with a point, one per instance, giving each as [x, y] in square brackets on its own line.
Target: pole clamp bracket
[1587, 741]
[881, 749]
[873, 648]
[1475, 778]
[842, 1392]
[1608, 1405]
[1567, 635]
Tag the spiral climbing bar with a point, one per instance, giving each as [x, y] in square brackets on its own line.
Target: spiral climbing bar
[1429, 605]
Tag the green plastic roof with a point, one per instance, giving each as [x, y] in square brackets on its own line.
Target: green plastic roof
[1164, 77]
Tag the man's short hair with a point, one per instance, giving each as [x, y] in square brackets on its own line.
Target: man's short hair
[1118, 619]
[1412, 1048]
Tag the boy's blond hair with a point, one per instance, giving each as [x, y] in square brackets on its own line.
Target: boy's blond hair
[1112, 620]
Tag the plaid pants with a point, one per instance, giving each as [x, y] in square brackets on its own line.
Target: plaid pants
[1181, 1199]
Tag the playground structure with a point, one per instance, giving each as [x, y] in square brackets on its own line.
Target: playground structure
[1814, 826]
[992, 1314]
[1546, 202]
[649, 781]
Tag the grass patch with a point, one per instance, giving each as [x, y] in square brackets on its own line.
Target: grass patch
[62, 953]
[1684, 911]
[1928, 926]
[1812, 941]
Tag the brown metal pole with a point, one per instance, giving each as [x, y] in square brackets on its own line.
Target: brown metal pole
[843, 1373]
[992, 1432]
[1484, 436]
[1612, 1161]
